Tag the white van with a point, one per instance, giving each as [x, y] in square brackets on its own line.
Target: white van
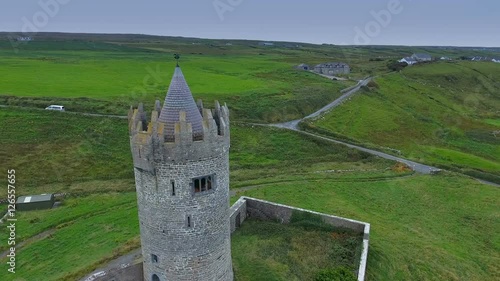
[55, 107]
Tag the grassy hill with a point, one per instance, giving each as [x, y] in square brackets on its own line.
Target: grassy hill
[423, 227]
[103, 73]
[445, 114]
[89, 158]
[53, 151]
[104, 77]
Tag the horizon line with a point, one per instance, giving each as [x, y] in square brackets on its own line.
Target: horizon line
[241, 39]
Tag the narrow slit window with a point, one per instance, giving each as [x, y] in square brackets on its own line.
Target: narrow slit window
[189, 221]
[173, 188]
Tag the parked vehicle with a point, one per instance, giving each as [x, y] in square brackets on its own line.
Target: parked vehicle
[55, 107]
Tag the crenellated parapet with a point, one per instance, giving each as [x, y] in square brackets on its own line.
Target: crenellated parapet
[151, 143]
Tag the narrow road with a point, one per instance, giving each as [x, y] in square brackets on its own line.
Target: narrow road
[120, 262]
[417, 167]
[294, 126]
[329, 76]
[69, 112]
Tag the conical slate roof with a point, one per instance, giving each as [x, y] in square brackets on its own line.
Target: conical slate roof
[179, 98]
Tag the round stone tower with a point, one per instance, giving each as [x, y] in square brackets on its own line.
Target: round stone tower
[181, 164]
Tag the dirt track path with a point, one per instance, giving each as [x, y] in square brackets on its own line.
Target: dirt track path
[294, 126]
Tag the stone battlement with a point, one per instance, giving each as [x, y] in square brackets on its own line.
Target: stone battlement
[150, 142]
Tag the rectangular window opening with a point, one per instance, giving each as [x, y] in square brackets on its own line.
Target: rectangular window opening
[197, 187]
[154, 258]
[203, 184]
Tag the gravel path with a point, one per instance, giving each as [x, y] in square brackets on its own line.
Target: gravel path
[294, 125]
[121, 262]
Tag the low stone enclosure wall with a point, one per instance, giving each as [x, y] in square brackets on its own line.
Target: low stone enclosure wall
[247, 207]
[250, 207]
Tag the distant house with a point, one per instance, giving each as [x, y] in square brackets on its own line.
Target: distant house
[229, 44]
[497, 60]
[302, 66]
[35, 202]
[332, 68]
[445, 58]
[421, 57]
[267, 44]
[409, 60]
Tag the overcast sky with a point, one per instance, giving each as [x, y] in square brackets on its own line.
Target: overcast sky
[377, 22]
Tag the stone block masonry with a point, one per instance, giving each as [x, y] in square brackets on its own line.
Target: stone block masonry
[250, 207]
[181, 166]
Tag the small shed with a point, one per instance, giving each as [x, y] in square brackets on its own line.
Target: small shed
[35, 202]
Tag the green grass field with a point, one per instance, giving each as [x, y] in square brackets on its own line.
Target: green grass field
[74, 144]
[106, 226]
[84, 232]
[109, 78]
[443, 114]
[53, 147]
[271, 251]
[422, 228]
[52, 151]
[90, 73]
[442, 227]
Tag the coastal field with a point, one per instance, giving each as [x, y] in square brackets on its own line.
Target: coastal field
[53, 151]
[106, 74]
[443, 114]
[439, 227]
[108, 78]
[423, 228]
[98, 214]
